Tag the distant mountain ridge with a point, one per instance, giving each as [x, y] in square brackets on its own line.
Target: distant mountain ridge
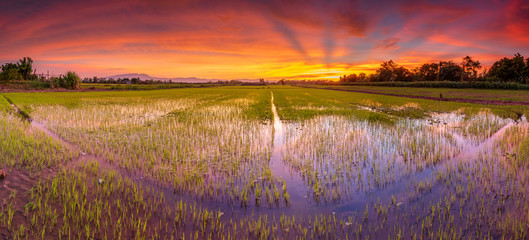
[143, 77]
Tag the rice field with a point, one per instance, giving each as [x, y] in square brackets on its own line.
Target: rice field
[260, 163]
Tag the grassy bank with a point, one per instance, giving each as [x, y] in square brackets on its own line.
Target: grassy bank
[483, 94]
[446, 84]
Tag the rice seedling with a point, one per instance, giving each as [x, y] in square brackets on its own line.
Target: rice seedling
[261, 163]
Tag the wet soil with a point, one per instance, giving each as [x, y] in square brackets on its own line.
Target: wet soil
[14, 190]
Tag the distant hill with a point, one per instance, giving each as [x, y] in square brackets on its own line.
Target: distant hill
[143, 76]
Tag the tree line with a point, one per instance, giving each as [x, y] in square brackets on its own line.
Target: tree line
[515, 69]
[123, 81]
[22, 72]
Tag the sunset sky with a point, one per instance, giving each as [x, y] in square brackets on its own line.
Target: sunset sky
[271, 39]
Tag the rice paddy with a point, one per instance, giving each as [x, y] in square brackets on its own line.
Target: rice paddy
[260, 163]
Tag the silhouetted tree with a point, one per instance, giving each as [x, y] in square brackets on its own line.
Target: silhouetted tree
[390, 71]
[427, 72]
[351, 78]
[470, 67]
[385, 71]
[362, 77]
[449, 71]
[371, 78]
[514, 69]
[509, 69]
[402, 74]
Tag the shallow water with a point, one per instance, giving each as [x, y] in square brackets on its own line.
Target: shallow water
[281, 170]
[371, 165]
[301, 201]
[457, 149]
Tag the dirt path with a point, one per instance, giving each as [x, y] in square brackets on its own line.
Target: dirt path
[462, 100]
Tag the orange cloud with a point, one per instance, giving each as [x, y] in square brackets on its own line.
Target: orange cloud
[273, 39]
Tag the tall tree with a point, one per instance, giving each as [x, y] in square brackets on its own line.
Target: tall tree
[402, 74]
[449, 71]
[385, 71]
[471, 67]
[427, 72]
[509, 69]
[391, 71]
[25, 67]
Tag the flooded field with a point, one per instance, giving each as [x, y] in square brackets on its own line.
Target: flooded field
[260, 163]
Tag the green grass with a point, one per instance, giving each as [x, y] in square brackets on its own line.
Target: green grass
[296, 104]
[25, 148]
[5, 106]
[481, 94]
[27, 101]
[304, 103]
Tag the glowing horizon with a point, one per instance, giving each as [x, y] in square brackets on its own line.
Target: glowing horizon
[276, 39]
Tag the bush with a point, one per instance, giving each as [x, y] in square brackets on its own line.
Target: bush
[54, 81]
[10, 72]
[38, 85]
[70, 81]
